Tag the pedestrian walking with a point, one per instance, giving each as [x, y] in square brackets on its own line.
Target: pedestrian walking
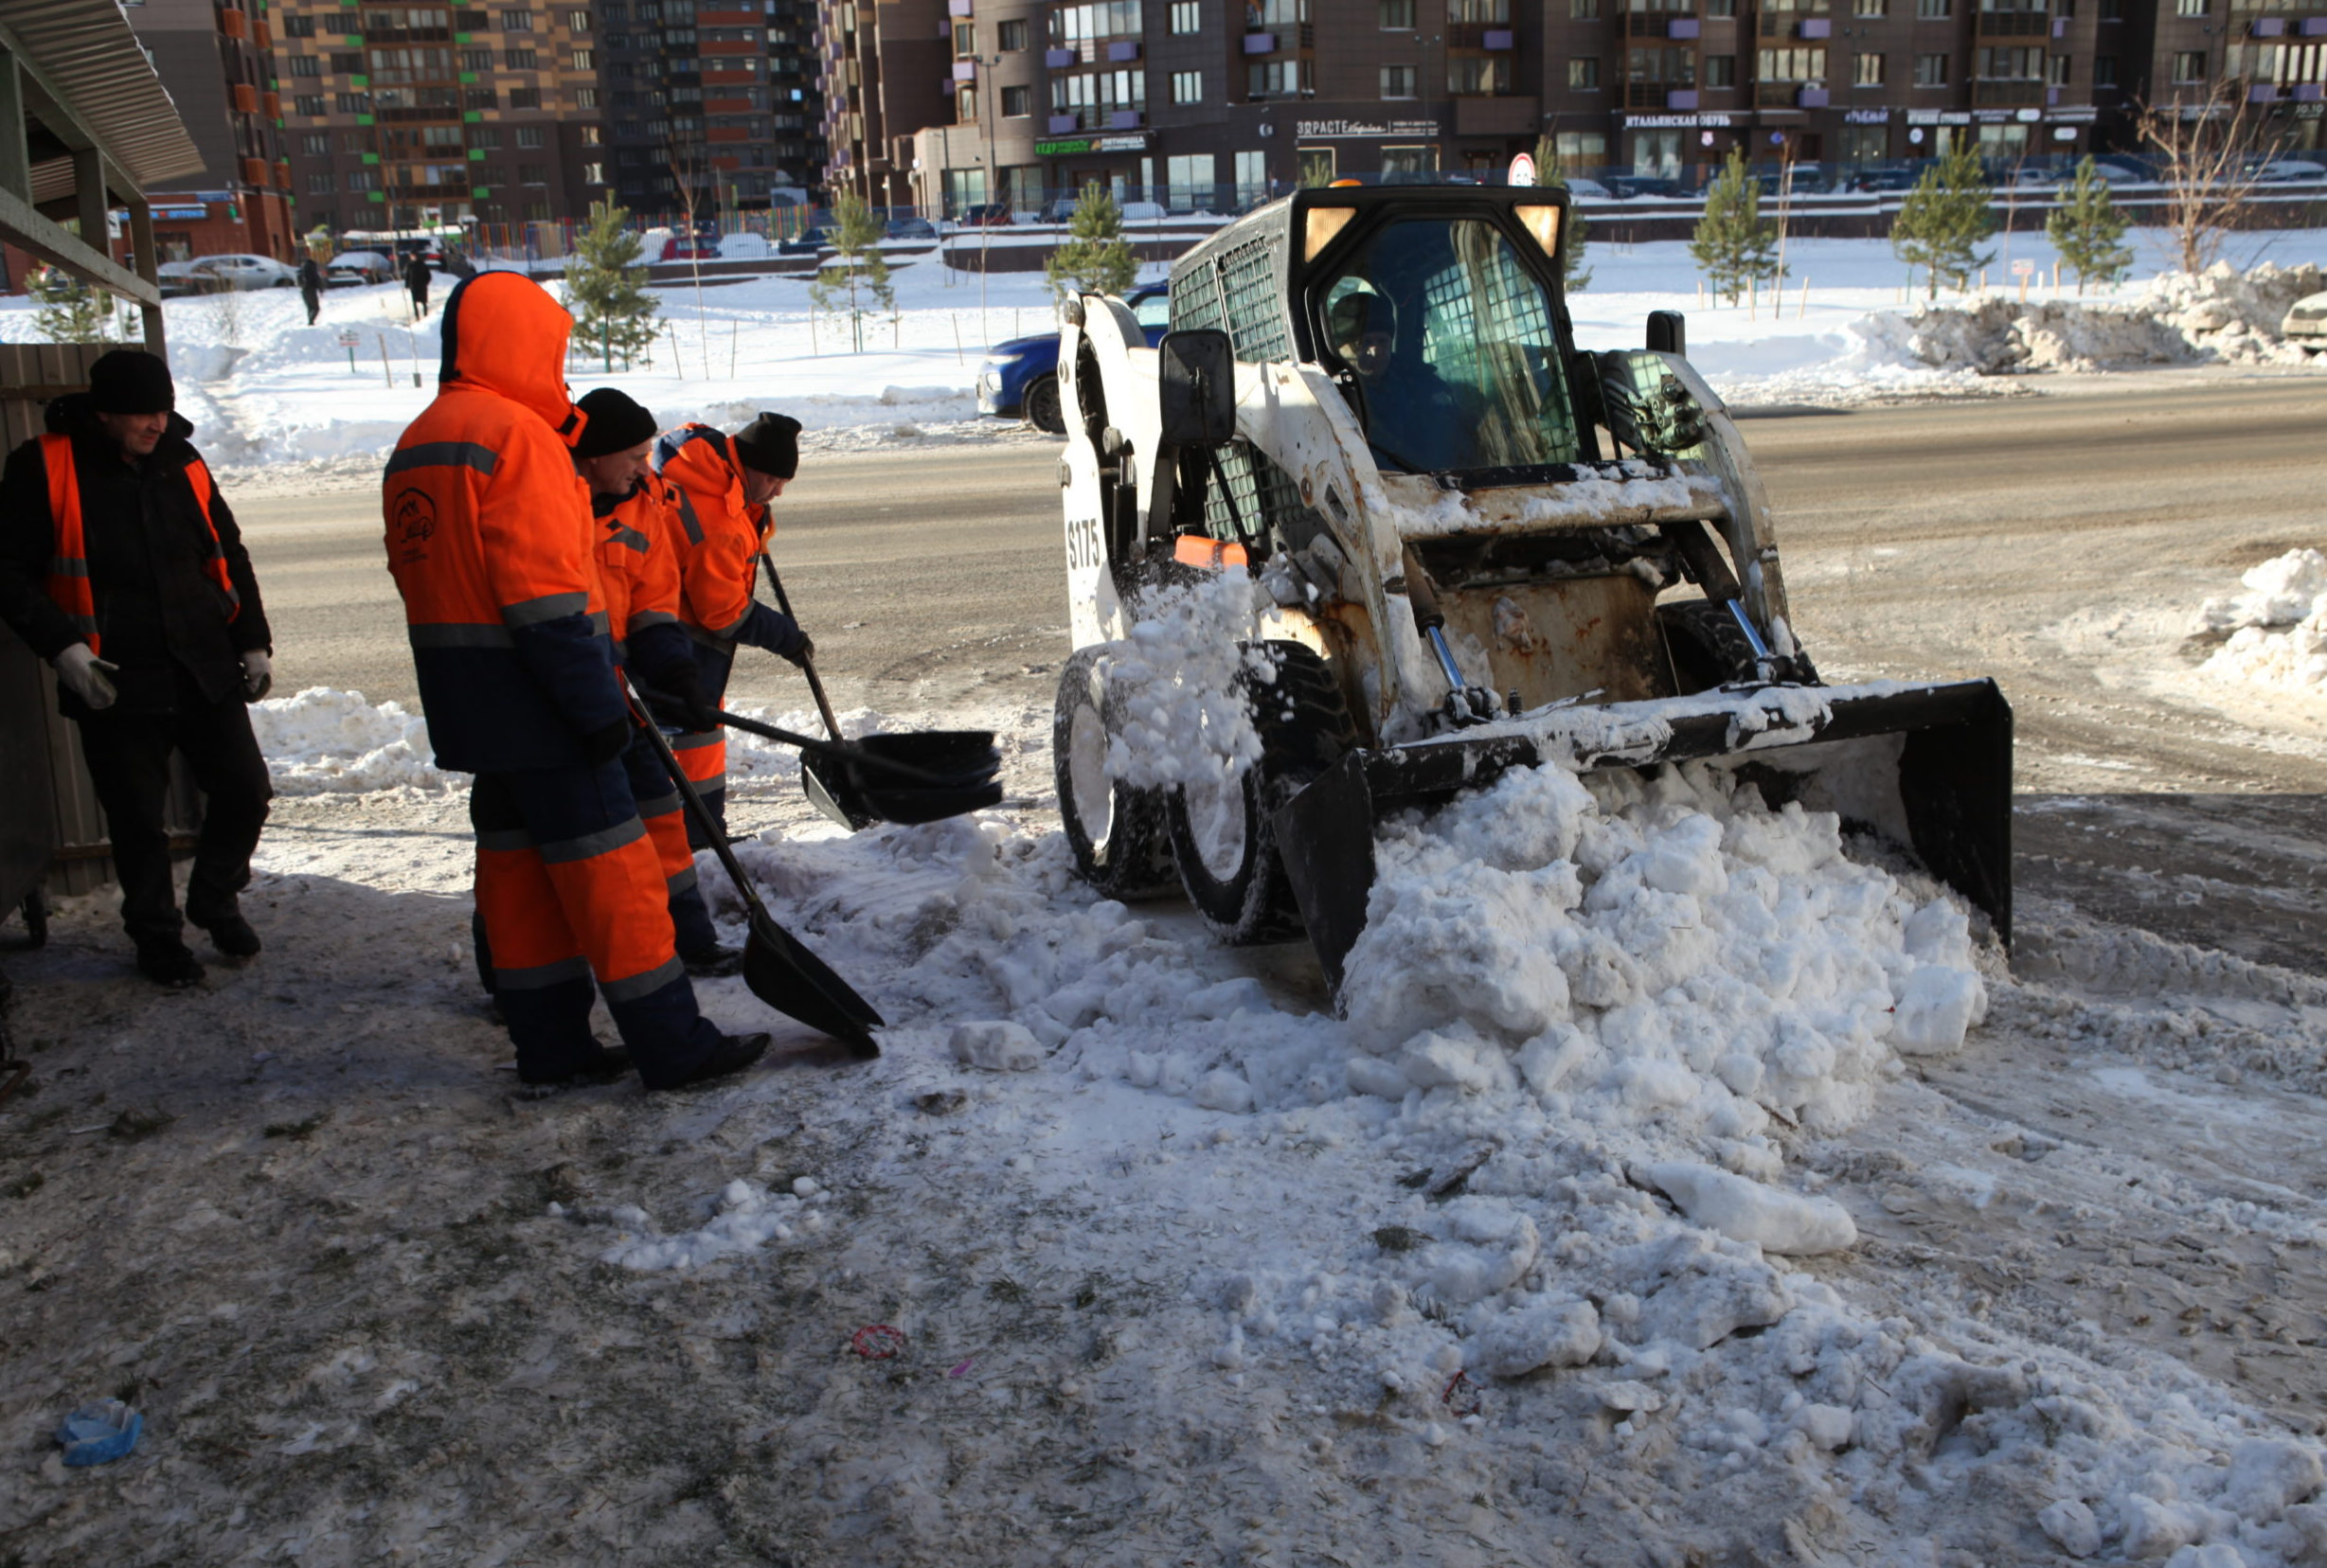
[724, 484]
[311, 288]
[415, 284]
[489, 538]
[121, 564]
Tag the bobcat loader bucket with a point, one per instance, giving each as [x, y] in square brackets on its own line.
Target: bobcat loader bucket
[1927, 768]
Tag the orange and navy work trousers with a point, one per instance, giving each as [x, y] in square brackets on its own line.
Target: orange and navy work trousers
[703, 754]
[570, 888]
[666, 819]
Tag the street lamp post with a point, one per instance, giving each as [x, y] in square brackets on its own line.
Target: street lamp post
[986, 106]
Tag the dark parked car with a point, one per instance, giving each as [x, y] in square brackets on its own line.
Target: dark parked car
[1020, 379]
[910, 229]
[806, 242]
[986, 215]
[1625, 186]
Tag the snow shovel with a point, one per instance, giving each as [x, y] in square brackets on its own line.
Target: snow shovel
[831, 788]
[778, 967]
[919, 778]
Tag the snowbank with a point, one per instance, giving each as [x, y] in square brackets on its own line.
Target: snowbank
[2280, 626]
[327, 742]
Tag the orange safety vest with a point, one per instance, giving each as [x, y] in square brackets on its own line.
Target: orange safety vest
[68, 557]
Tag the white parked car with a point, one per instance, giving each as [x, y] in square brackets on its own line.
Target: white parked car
[236, 273]
[2306, 323]
[744, 247]
[2284, 170]
[351, 268]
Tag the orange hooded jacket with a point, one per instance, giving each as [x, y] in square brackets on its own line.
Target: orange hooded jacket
[490, 537]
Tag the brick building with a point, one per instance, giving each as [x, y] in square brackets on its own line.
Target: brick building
[406, 116]
[715, 103]
[213, 57]
[1211, 102]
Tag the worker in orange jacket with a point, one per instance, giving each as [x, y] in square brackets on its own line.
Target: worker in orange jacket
[489, 538]
[724, 484]
[638, 571]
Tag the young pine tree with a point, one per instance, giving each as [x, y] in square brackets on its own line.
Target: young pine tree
[1574, 277]
[605, 285]
[857, 270]
[2087, 226]
[69, 310]
[1943, 218]
[1733, 241]
[1095, 259]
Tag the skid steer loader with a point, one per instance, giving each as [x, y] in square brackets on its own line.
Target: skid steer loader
[1483, 548]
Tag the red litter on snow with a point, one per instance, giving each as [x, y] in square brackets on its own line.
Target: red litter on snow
[1462, 1396]
[964, 1368]
[877, 1342]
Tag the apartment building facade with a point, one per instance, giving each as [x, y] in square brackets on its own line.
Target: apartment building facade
[1214, 102]
[712, 104]
[213, 55]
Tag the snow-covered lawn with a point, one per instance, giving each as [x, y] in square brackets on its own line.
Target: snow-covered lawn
[280, 400]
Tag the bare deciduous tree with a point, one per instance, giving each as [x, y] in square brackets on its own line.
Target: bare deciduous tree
[2210, 161]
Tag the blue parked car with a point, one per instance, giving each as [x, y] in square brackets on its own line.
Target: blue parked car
[1020, 380]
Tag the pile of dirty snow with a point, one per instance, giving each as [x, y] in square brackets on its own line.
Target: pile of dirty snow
[2280, 622]
[2221, 315]
[326, 742]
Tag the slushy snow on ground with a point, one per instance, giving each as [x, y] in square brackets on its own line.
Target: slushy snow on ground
[2278, 627]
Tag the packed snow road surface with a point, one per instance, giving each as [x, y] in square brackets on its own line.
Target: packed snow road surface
[1755, 1213]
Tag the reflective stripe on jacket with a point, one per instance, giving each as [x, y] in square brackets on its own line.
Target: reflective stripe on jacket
[68, 563]
[490, 537]
[719, 533]
[638, 572]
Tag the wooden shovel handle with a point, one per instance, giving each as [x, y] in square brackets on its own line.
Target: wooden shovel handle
[808, 665]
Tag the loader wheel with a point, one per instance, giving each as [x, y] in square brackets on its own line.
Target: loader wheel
[1223, 836]
[1116, 834]
[1708, 648]
[1042, 406]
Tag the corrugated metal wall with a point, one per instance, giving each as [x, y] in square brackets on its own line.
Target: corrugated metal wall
[30, 375]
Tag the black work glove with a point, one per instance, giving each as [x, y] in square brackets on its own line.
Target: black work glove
[805, 652]
[678, 699]
[602, 746]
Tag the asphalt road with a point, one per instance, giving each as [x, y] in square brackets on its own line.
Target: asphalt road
[2056, 541]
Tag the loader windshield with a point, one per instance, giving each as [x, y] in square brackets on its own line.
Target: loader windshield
[1449, 335]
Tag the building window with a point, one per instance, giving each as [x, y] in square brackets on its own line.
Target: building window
[2060, 71]
[1075, 25]
[1283, 79]
[352, 103]
[1409, 160]
[477, 59]
[1584, 75]
[584, 59]
[525, 98]
[316, 144]
[1187, 86]
[1017, 102]
[965, 106]
[347, 65]
[1867, 70]
[532, 173]
[1582, 152]
[1013, 35]
[298, 27]
[519, 60]
[308, 104]
[363, 179]
[579, 21]
[306, 65]
[529, 135]
[2112, 10]
[1474, 77]
[2105, 71]
[320, 184]
[1869, 8]
[1931, 70]
[1397, 16]
[1679, 67]
[2190, 7]
[1934, 10]
[1189, 180]
[2188, 65]
[965, 40]
[594, 174]
[1187, 18]
[1720, 70]
[517, 21]
[1251, 178]
[1584, 10]
[1397, 82]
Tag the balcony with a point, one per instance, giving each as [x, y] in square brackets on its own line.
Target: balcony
[1124, 119]
[1260, 43]
[1776, 95]
[1816, 26]
[1811, 97]
[233, 23]
[2006, 94]
[1681, 97]
[1683, 27]
[2309, 92]
[1122, 49]
[1649, 95]
[1064, 125]
[2015, 25]
[2262, 92]
[2269, 26]
[965, 70]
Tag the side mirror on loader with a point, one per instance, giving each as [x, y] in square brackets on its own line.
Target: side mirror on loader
[1668, 332]
[1196, 388]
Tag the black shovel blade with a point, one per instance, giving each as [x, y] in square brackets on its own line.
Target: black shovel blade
[961, 756]
[780, 972]
[913, 806]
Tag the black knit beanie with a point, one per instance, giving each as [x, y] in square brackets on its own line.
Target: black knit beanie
[130, 381]
[771, 444]
[616, 423]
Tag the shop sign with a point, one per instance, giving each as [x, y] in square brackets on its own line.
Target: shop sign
[1939, 116]
[1866, 116]
[1351, 130]
[1678, 122]
[2076, 113]
[1076, 146]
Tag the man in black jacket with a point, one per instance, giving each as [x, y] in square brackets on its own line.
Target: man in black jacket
[122, 566]
[310, 289]
[415, 284]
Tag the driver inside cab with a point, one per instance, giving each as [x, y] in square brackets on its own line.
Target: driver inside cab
[1414, 419]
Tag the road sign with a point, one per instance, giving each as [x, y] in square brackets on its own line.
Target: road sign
[2023, 267]
[1522, 169]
